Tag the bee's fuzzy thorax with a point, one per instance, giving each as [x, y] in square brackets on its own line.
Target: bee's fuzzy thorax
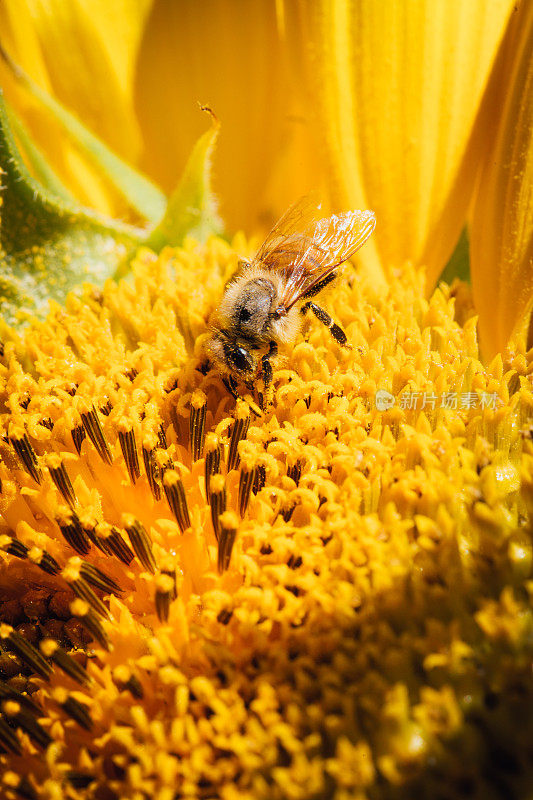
[225, 322]
[250, 272]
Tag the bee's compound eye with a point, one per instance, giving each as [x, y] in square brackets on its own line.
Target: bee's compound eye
[238, 358]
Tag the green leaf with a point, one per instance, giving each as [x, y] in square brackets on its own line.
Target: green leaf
[459, 264]
[191, 210]
[49, 245]
[139, 192]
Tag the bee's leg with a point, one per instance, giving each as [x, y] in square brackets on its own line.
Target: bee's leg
[314, 290]
[323, 317]
[266, 369]
[231, 385]
[203, 367]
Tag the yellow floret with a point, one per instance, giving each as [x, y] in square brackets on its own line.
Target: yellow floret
[331, 600]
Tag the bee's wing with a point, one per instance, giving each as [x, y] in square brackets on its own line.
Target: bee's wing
[334, 240]
[305, 248]
[299, 220]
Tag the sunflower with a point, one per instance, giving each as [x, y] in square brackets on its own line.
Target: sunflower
[331, 599]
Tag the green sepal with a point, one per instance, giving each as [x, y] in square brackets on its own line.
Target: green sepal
[191, 209]
[39, 165]
[459, 264]
[138, 191]
[49, 245]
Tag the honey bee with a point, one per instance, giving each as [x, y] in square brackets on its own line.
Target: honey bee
[264, 304]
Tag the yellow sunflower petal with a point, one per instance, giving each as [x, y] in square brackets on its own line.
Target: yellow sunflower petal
[137, 190]
[397, 86]
[84, 53]
[502, 221]
[228, 57]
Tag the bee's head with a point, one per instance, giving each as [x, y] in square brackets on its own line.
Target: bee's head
[229, 355]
